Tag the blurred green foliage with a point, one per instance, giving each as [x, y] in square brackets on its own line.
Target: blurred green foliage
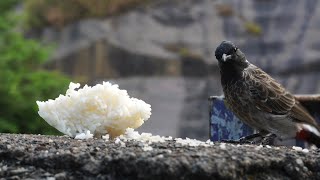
[22, 80]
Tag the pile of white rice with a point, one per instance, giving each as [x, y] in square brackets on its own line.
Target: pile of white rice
[98, 110]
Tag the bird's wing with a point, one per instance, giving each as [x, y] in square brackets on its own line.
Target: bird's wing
[270, 96]
[267, 94]
[299, 113]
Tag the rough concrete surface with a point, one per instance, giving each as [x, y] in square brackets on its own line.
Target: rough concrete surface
[60, 157]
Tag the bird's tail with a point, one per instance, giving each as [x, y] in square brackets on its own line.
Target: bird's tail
[309, 134]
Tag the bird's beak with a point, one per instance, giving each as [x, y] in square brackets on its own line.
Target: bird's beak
[225, 57]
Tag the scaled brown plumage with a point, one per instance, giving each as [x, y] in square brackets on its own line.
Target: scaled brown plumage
[259, 100]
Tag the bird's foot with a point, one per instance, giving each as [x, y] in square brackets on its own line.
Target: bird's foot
[258, 138]
[269, 139]
[231, 141]
[251, 139]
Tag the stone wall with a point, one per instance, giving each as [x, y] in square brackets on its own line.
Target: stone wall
[177, 38]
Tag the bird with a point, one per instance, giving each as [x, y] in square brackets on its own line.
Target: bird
[260, 101]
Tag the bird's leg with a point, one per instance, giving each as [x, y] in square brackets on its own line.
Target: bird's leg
[269, 139]
[230, 141]
[250, 139]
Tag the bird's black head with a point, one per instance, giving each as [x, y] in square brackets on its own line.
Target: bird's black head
[227, 52]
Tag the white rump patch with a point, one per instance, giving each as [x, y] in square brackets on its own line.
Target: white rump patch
[308, 128]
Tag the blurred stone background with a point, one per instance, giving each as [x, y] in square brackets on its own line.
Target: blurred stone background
[163, 52]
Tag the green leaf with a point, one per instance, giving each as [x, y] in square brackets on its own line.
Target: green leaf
[22, 79]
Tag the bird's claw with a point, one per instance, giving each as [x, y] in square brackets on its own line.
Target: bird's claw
[245, 140]
[230, 141]
[268, 139]
[251, 139]
[238, 141]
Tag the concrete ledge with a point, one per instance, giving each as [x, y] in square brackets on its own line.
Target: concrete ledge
[60, 157]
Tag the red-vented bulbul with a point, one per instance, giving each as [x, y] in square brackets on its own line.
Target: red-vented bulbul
[260, 101]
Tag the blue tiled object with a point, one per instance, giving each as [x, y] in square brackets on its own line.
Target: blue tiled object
[224, 125]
